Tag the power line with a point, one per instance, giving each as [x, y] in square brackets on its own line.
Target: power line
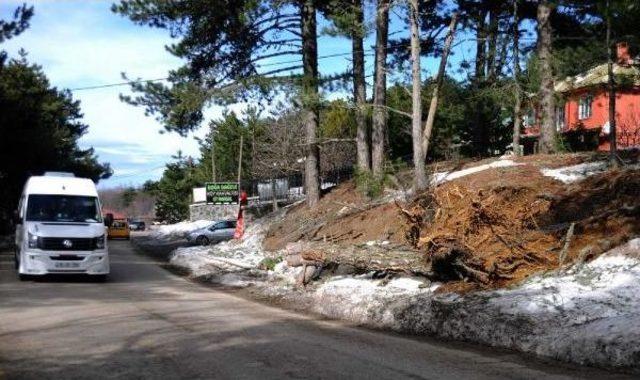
[320, 57]
[368, 52]
[117, 84]
[334, 55]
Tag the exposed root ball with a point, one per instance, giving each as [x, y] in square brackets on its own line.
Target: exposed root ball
[494, 235]
[450, 260]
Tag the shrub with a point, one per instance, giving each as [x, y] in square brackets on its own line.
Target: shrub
[269, 263]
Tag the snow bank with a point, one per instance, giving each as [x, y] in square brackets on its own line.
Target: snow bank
[589, 314]
[442, 177]
[575, 173]
[233, 262]
[178, 230]
[361, 300]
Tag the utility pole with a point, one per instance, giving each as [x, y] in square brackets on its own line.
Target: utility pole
[240, 161]
[213, 155]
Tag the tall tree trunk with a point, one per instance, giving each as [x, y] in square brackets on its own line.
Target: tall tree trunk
[481, 43]
[380, 89]
[479, 137]
[517, 121]
[503, 54]
[431, 116]
[492, 44]
[546, 94]
[416, 98]
[613, 143]
[310, 101]
[360, 89]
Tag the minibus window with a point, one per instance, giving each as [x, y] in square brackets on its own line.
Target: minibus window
[63, 208]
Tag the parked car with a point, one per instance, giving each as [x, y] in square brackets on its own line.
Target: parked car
[59, 227]
[214, 233]
[137, 225]
[119, 229]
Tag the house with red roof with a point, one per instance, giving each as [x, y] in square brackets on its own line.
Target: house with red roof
[582, 107]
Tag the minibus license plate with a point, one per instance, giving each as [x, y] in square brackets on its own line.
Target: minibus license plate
[67, 265]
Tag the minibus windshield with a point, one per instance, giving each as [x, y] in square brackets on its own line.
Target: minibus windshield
[63, 208]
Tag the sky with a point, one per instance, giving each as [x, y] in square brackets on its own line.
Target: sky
[81, 43]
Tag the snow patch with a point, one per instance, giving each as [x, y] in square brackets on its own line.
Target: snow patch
[443, 177]
[569, 174]
[178, 230]
[232, 262]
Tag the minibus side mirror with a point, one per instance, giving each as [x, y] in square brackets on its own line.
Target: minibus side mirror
[16, 217]
[108, 220]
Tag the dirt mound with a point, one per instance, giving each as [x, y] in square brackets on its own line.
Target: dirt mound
[605, 210]
[488, 229]
[343, 216]
[498, 228]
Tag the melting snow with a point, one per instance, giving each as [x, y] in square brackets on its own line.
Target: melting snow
[178, 230]
[589, 314]
[233, 260]
[575, 173]
[442, 177]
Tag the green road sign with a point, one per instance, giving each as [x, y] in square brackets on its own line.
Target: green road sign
[222, 193]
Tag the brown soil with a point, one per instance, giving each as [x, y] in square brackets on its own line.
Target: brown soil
[494, 229]
[343, 216]
[486, 230]
[538, 160]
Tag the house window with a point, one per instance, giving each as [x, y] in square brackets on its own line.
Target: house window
[530, 118]
[560, 117]
[585, 107]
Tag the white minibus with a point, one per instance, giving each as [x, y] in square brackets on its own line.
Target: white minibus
[59, 228]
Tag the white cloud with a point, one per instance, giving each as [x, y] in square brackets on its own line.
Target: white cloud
[82, 43]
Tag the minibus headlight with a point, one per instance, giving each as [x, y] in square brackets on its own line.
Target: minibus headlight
[33, 240]
[99, 243]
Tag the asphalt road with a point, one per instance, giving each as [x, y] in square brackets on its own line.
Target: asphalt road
[146, 323]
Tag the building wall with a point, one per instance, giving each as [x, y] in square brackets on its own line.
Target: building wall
[627, 115]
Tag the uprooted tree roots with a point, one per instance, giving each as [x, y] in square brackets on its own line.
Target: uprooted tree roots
[453, 261]
[502, 234]
[483, 237]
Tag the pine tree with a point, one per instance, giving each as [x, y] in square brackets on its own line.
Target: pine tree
[420, 180]
[41, 125]
[224, 44]
[380, 89]
[546, 93]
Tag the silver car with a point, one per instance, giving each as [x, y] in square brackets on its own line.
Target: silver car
[214, 233]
